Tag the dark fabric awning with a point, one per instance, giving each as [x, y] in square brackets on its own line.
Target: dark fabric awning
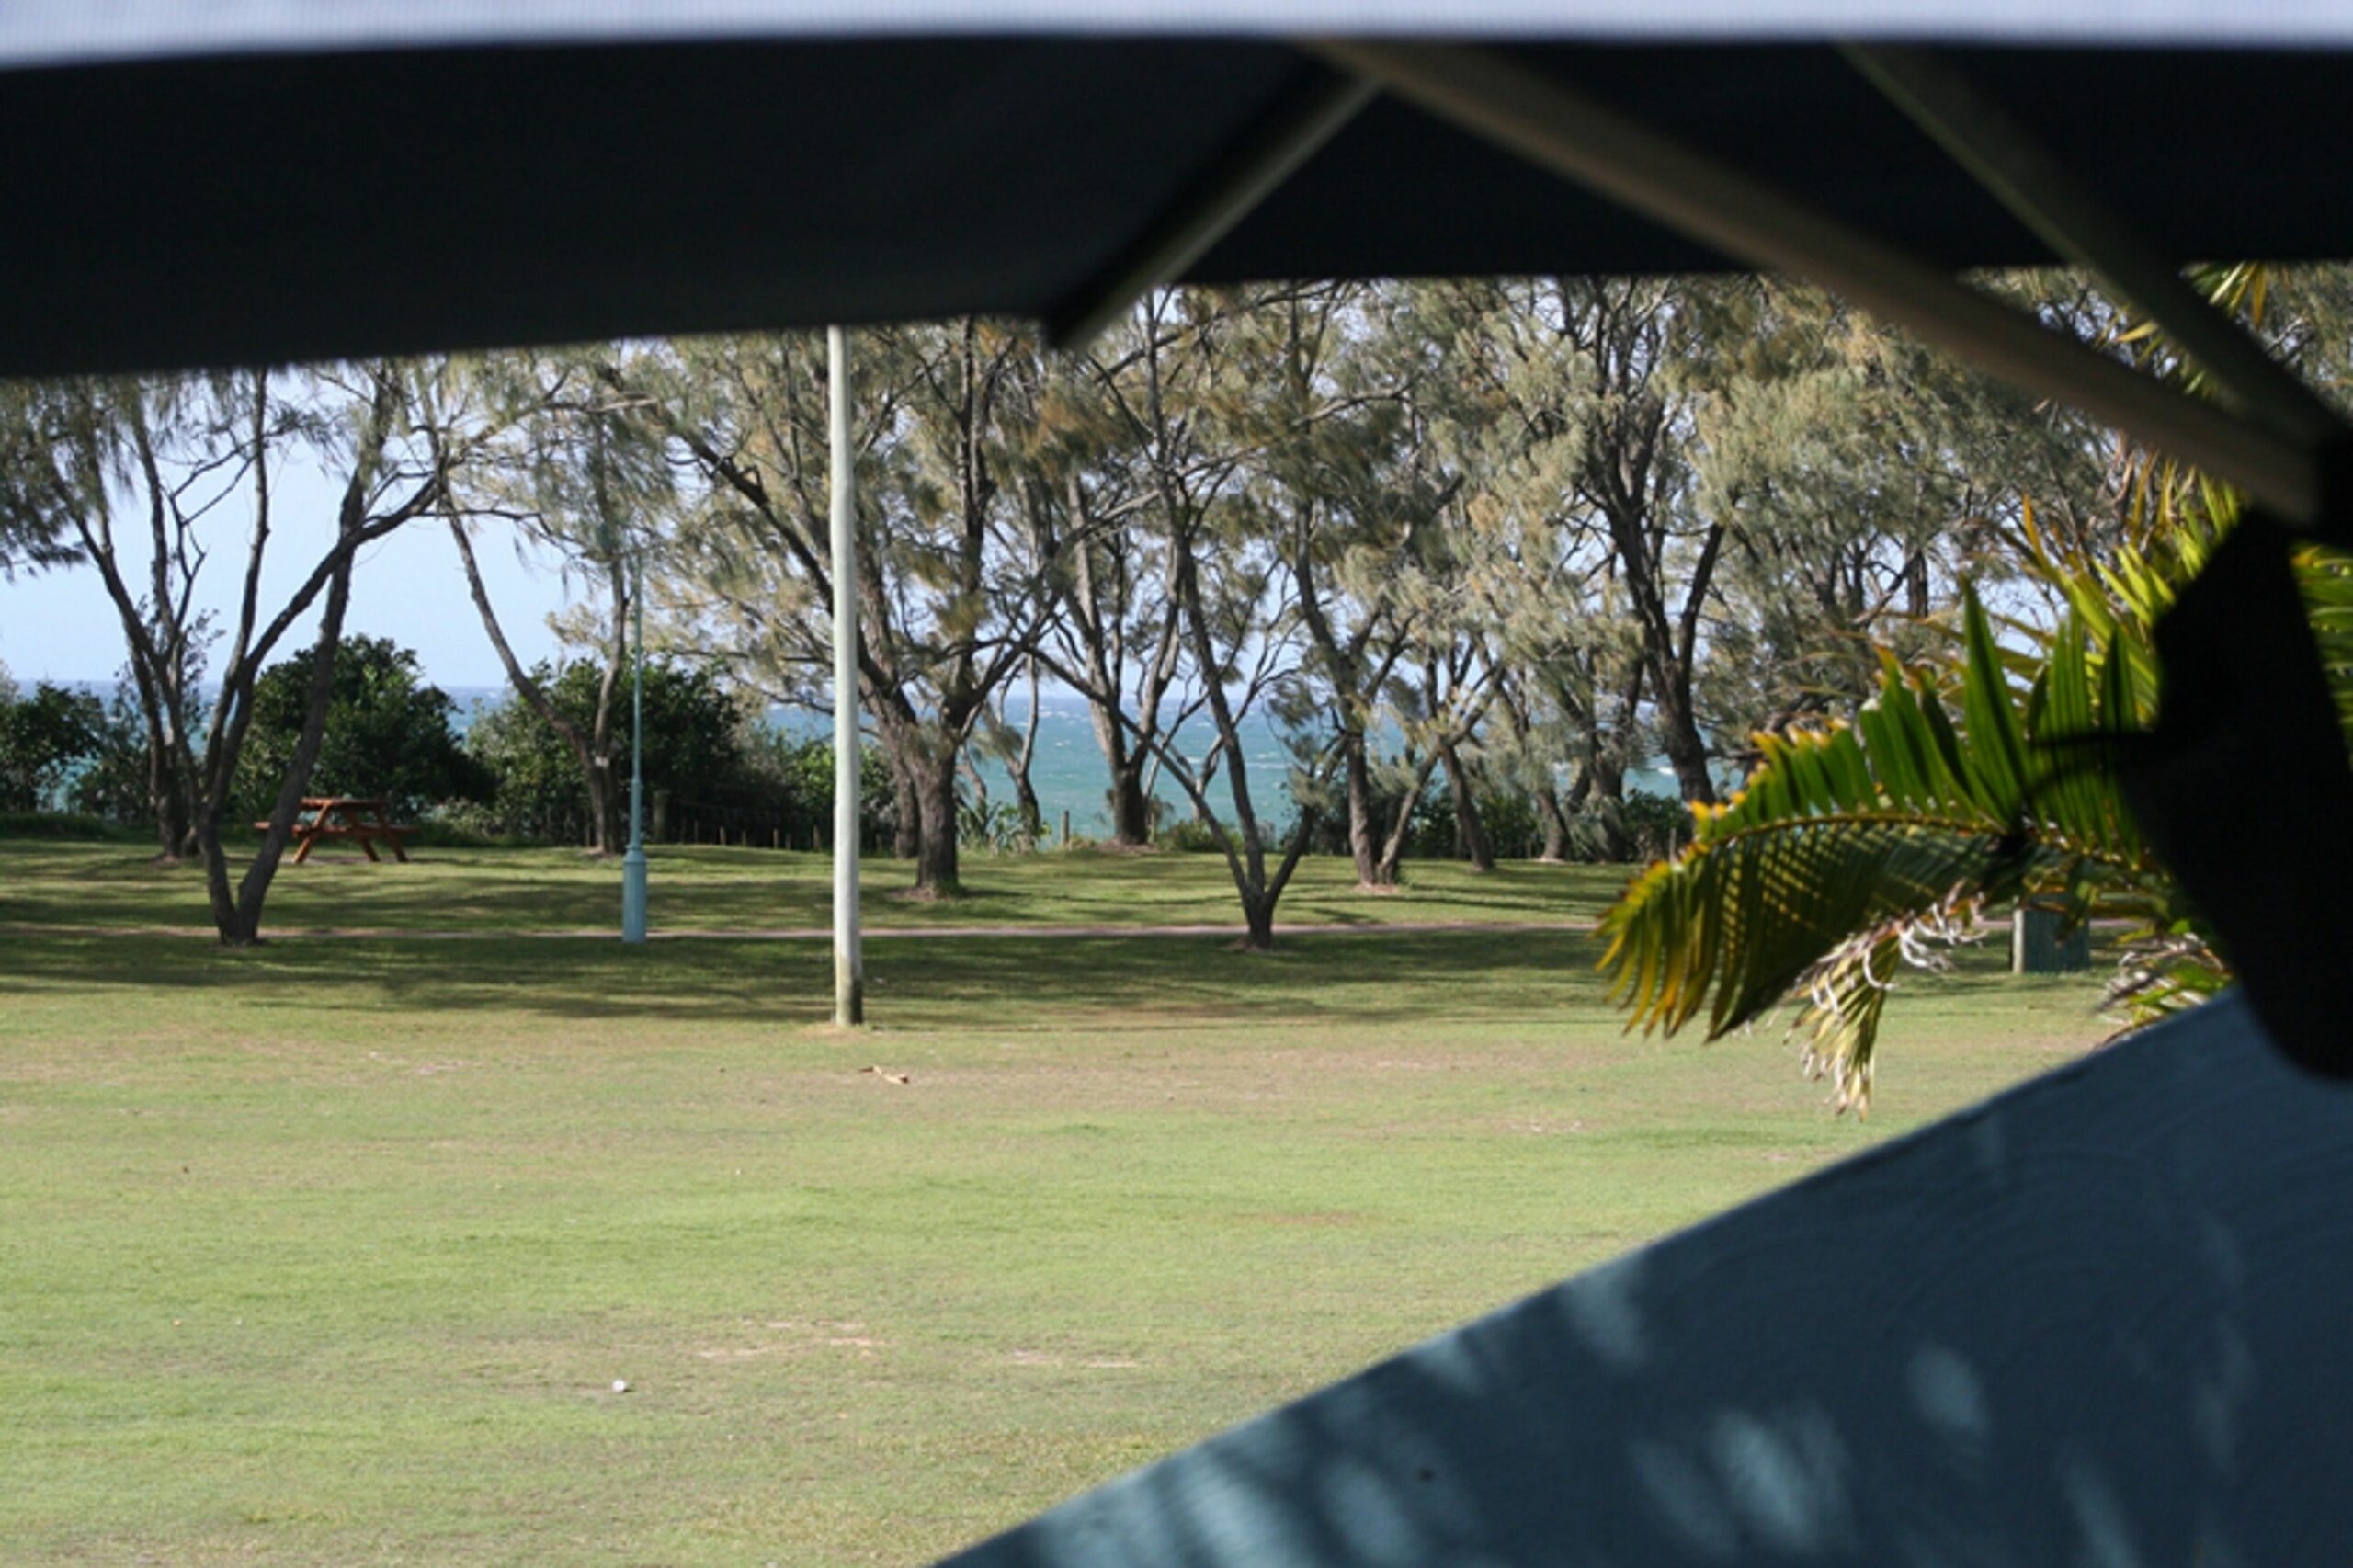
[179, 208]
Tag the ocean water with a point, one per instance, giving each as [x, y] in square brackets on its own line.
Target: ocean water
[1068, 772]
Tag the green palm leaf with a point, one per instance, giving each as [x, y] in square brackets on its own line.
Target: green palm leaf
[1857, 845]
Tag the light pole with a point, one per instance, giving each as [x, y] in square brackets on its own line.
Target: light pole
[850, 966]
[633, 862]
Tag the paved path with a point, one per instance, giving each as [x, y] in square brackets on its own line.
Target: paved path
[825, 933]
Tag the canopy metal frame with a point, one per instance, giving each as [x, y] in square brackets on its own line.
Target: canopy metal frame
[2064, 212]
[1220, 196]
[2271, 435]
[2276, 441]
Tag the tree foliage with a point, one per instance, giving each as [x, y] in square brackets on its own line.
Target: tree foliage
[43, 738]
[1478, 553]
[1978, 776]
[694, 747]
[388, 735]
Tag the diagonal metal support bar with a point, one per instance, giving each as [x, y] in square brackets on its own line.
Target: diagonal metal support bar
[1556, 127]
[2018, 171]
[1225, 193]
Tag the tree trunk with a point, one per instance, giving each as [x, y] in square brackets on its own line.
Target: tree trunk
[606, 790]
[1125, 760]
[1033, 815]
[1556, 825]
[1671, 679]
[1246, 849]
[1364, 835]
[1258, 921]
[1687, 752]
[235, 929]
[1606, 801]
[167, 796]
[1212, 760]
[1388, 870]
[605, 786]
[1131, 804]
[1392, 868]
[238, 917]
[173, 830]
[595, 777]
[171, 791]
[1470, 832]
[906, 830]
[1025, 794]
[936, 805]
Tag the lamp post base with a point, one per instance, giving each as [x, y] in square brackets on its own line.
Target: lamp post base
[633, 894]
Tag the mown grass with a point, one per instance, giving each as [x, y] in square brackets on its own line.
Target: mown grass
[50, 885]
[329, 1252]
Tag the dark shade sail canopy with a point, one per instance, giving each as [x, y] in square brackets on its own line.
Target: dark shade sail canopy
[263, 182]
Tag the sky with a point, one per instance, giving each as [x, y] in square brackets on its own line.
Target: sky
[60, 626]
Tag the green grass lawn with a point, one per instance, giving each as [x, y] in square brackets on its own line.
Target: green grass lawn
[331, 1252]
[50, 885]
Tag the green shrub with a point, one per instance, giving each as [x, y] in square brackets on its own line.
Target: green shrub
[997, 829]
[388, 733]
[113, 784]
[1650, 827]
[463, 824]
[1513, 831]
[1189, 835]
[79, 826]
[788, 783]
[42, 738]
[693, 748]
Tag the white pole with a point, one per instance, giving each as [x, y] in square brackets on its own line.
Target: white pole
[633, 862]
[850, 967]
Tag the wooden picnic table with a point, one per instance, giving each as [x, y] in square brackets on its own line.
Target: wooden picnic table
[366, 823]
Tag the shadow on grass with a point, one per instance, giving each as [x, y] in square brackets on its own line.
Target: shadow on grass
[90, 886]
[1009, 983]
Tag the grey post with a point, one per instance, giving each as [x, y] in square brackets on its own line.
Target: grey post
[849, 969]
[633, 892]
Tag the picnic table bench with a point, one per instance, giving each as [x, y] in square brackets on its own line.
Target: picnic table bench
[367, 823]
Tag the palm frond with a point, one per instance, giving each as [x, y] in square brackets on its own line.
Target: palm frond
[1845, 990]
[1859, 845]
